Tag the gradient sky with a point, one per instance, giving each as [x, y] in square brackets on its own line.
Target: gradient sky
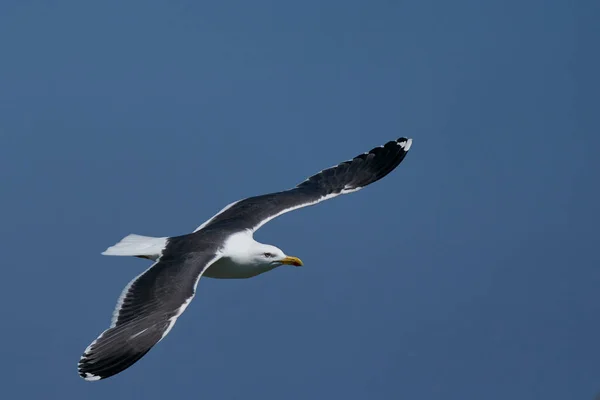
[470, 272]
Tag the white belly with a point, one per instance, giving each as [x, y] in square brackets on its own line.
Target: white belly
[225, 268]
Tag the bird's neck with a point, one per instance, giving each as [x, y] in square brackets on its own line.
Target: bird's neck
[240, 248]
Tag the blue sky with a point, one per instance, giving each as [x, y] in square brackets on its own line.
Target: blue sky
[469, 272]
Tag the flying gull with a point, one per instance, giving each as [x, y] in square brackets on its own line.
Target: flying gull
[222, 247]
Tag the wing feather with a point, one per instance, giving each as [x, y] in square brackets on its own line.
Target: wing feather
[346, 177]
[146, 311]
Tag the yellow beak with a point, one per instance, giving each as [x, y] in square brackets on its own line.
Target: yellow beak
[292, 261]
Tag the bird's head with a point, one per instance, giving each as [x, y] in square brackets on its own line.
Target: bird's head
[270, 255]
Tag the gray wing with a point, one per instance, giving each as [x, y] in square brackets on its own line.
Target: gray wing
[147, 310]
[346, 177]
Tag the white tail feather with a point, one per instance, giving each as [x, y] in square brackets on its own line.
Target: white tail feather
[138, 245]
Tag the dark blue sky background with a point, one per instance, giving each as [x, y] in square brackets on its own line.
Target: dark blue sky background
[471, 272]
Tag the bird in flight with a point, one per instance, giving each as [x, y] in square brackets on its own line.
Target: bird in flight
[222, 247]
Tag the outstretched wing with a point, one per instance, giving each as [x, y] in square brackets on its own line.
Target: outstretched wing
[147, 310]
[346, 177]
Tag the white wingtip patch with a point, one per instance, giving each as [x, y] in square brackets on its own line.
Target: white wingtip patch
[406, 145]
[90, 378]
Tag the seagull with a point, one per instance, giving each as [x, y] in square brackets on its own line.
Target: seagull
[222, 247]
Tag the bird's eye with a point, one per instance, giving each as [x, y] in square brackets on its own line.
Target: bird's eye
[268, 255]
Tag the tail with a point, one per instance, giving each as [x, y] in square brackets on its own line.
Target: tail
[138, 246]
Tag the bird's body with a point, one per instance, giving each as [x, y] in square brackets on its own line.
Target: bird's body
[222, 247]
[226, 268]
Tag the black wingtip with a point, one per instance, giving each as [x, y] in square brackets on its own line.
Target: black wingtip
[360, 171]
[405, 143]
[118, 348]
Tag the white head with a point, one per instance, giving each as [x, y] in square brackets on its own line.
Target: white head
[242, 249]
[265, 254]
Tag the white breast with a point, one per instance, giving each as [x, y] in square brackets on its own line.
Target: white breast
[226, 268]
